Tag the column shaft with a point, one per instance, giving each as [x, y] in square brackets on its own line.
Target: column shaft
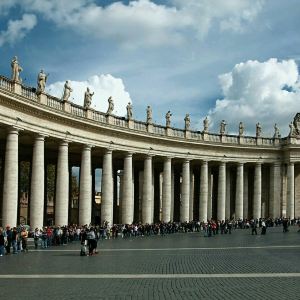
[228, 194]
[107, 189]
[147, 201]
[203, 192]
[191, 202]
[85, 196]
[37, 184]
[10, 182]
[275, 190]
[62, 186]
[245, 197]
[239, 201]
[185, 192]
[290, 209]
[257, 192]
[221, 192]
[167, 190]
[127, 201]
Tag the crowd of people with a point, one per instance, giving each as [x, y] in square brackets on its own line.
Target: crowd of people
[16, 238]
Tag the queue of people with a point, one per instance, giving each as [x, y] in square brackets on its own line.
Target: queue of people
[16, 239]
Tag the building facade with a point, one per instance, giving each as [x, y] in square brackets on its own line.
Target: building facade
[149, 172]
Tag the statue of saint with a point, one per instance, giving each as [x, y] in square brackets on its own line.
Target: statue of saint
[129, 111]
[276, 131]
[67, 91]
[241, 129]
[149, 115]
[88, 98]
[187, 122]
[292, 130]
[111, 105]
[222, 127]
[258, 130]
[41, 82]
[16, 69]
[168, 119]
[205, 125]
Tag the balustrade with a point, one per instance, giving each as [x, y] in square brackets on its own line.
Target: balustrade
[5, 83]
[54, 102]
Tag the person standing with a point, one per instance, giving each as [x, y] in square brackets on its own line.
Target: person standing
[24, 237]
[15, 236]
[8, 239]
[2, 242]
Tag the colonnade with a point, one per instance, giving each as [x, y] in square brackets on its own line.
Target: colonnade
[229, 201]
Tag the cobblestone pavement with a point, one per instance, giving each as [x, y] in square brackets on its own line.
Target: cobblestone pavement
[178, 266]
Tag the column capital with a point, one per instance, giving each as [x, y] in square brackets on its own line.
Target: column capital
[108, 151]
[87, 147]
[39, 137]
[64, 143]
[13, 130]
[129, 154]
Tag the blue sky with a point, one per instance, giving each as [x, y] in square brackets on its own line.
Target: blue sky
[235, 60]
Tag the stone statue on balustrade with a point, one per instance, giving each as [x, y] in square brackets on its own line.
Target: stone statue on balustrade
[41, 82]
[292, 130]
[129, 111]
[88, 98]
[168, 119]
[111, 106]
[241, 129]
[276, 132]
[67, 91]
[258, 130]
[149, 115]
[205, 125]
[187, 122]
[16, 69]
[222, 127]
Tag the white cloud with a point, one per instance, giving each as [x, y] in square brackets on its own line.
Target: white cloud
[6, 5]
[104, 86]
[17, 29]
[268, 92]
[144, 23]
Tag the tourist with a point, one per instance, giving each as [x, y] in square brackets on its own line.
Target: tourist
[24, 237]
[8, 239]
[36, 238]
[14, 241]
[2, 242]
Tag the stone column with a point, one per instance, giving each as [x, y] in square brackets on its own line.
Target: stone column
[257, 192]
[210, 193]
[172, 195]
[245, 196]
[221, 191]
[167, 191]
[275, 190]
[185, 192]
[127, 193]
[107, 188]
[147, 200]
[62, 185]
[203, 192]
[37, 184]
[85, 196]
[228, 194]
[191, 203]
[290, 209]
[10, 181]
[239, 191]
